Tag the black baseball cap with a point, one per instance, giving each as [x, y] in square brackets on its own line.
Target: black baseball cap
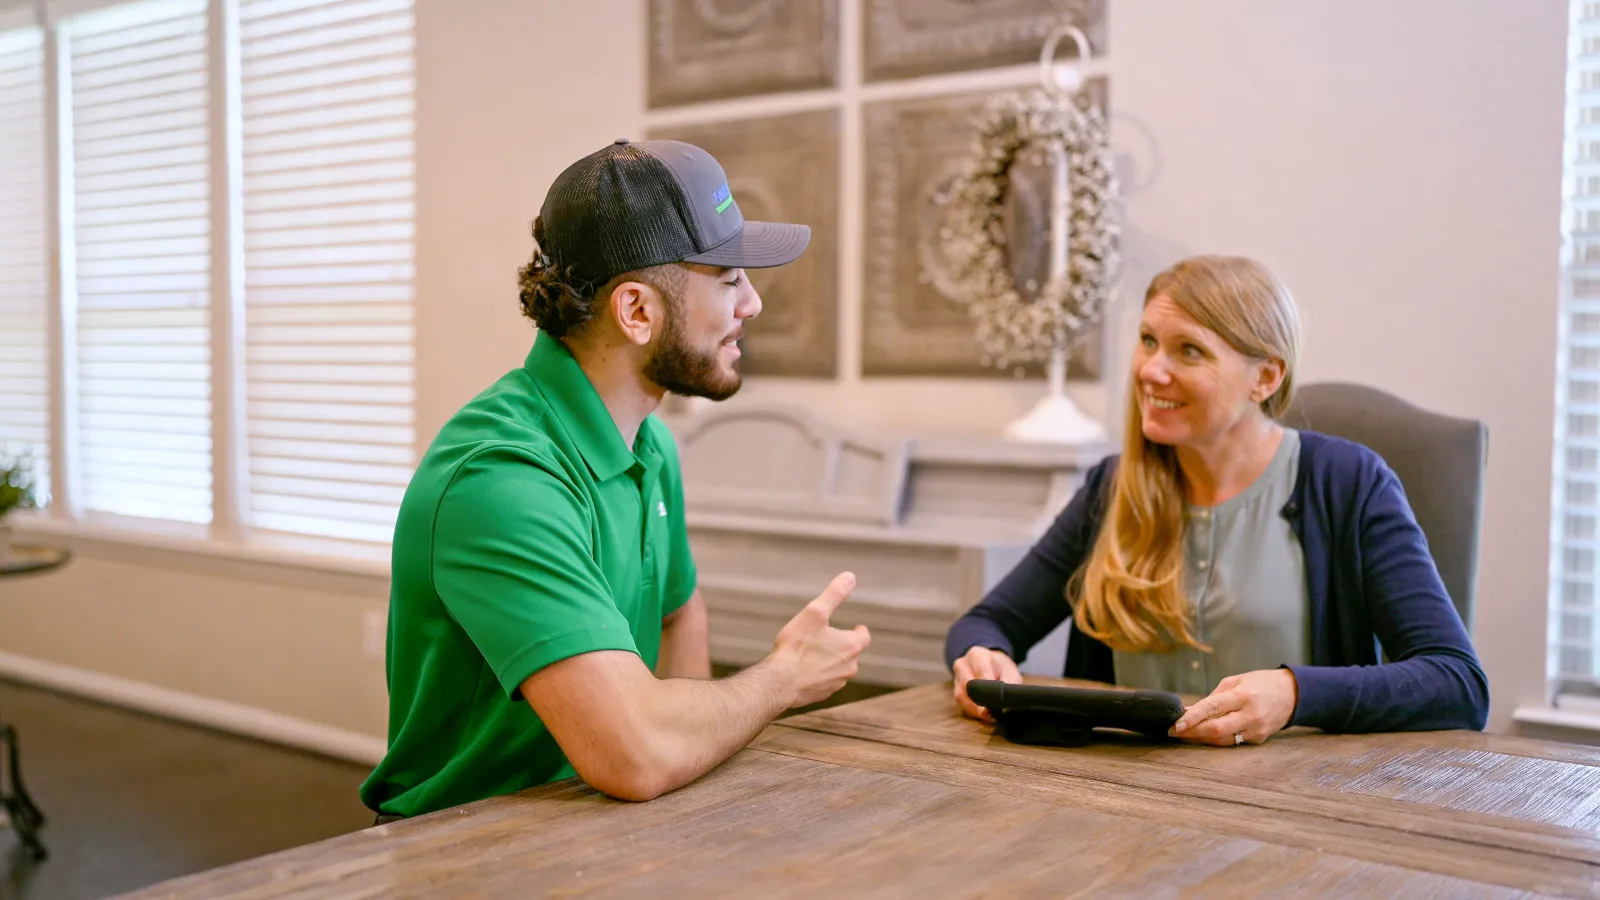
[637, 204]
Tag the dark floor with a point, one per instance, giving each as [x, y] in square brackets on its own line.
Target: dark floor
[132, 800]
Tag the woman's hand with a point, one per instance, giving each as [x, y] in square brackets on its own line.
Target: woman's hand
[1255, 705]
[985, 664]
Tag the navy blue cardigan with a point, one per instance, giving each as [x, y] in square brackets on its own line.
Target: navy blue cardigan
[1370, 578]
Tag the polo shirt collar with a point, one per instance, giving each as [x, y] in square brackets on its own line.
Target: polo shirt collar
[575, 401]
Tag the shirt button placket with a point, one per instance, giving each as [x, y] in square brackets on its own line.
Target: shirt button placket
[1205, 549]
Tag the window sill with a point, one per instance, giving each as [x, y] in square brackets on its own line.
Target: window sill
[171, 545]
[1569, 713]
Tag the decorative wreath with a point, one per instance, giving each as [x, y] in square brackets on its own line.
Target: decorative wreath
[1010, 328]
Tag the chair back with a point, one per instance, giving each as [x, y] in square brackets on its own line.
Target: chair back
[1439, 459]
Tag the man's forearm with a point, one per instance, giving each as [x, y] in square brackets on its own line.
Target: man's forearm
[694, 725]
[686, 642]
[636, 736]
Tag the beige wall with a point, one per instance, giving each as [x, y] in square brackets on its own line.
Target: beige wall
[288, 641]
[1398, 164]
[510, 93]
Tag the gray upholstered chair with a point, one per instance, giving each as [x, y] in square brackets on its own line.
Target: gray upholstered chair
[1439, 459]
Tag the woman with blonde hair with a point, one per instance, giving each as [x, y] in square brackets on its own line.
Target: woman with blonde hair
[1225, 555]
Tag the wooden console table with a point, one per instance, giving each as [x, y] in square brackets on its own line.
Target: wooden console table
[778, 501]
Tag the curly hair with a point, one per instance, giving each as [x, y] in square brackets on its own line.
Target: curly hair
[560, 303]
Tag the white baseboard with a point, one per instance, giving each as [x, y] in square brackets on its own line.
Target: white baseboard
[210, 712]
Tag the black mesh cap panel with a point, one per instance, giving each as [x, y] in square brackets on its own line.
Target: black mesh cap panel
[614, 211]
[631, 206]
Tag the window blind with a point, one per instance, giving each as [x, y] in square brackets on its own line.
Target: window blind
[139, 216]
[329, 225]
[1577, 494]
[24, 257]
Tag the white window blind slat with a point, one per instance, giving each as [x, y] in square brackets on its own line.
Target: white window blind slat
[328, 94]
[353, 93]
[181, 478]
[164, 272]
[271, 47]
[1577, 507]
[356, 135]
[364, 68]
[135, 24]
[388, 37]
[109, 440]
[179, 46]
[24, 257]
[132, 115]
[87, 134]
[161, 66]
[138, 244]
[266, 18]
[333, 184]
[123, 389]
[186, 289]
[325, 526]
[381, 458]
[163, 141]
[140, 195]
[392, 395]
[132, 201]
[115, 93]
[156, 229]
[158, 460]
[266, 236]
[332, 204]
[343, 489]
[186, 216]
[312, 275]
[175, 161]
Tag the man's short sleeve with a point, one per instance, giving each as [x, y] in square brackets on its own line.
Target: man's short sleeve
[513, 563]
[681, 575]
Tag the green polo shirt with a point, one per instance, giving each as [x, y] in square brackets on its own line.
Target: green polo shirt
[530, 533]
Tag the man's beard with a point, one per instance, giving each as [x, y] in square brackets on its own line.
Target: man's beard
[680, 367]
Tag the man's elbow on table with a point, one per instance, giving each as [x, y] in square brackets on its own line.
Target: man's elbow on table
[596, 707]
[625, 776]
[634, 783]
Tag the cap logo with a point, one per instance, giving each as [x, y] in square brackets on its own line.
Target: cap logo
[722, 197]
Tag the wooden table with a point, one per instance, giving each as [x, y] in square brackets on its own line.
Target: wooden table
[899, 796]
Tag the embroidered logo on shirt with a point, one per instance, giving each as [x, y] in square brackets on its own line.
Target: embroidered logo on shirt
[661, 508]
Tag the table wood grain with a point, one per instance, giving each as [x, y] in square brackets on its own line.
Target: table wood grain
[1405, 841]
[806, 814]
[1477, 788]
[900, 796]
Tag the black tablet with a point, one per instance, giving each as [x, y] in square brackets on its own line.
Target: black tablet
[1067, 716]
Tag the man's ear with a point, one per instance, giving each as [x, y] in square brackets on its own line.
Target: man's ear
[636, 310]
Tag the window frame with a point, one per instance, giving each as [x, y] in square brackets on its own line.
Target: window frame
[228, 536]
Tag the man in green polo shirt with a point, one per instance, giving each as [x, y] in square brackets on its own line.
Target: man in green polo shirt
[543, 618]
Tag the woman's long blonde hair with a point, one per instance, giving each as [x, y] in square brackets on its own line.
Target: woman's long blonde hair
[1130, 594]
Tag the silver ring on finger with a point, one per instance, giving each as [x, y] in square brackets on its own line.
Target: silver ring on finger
[1238, 738]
